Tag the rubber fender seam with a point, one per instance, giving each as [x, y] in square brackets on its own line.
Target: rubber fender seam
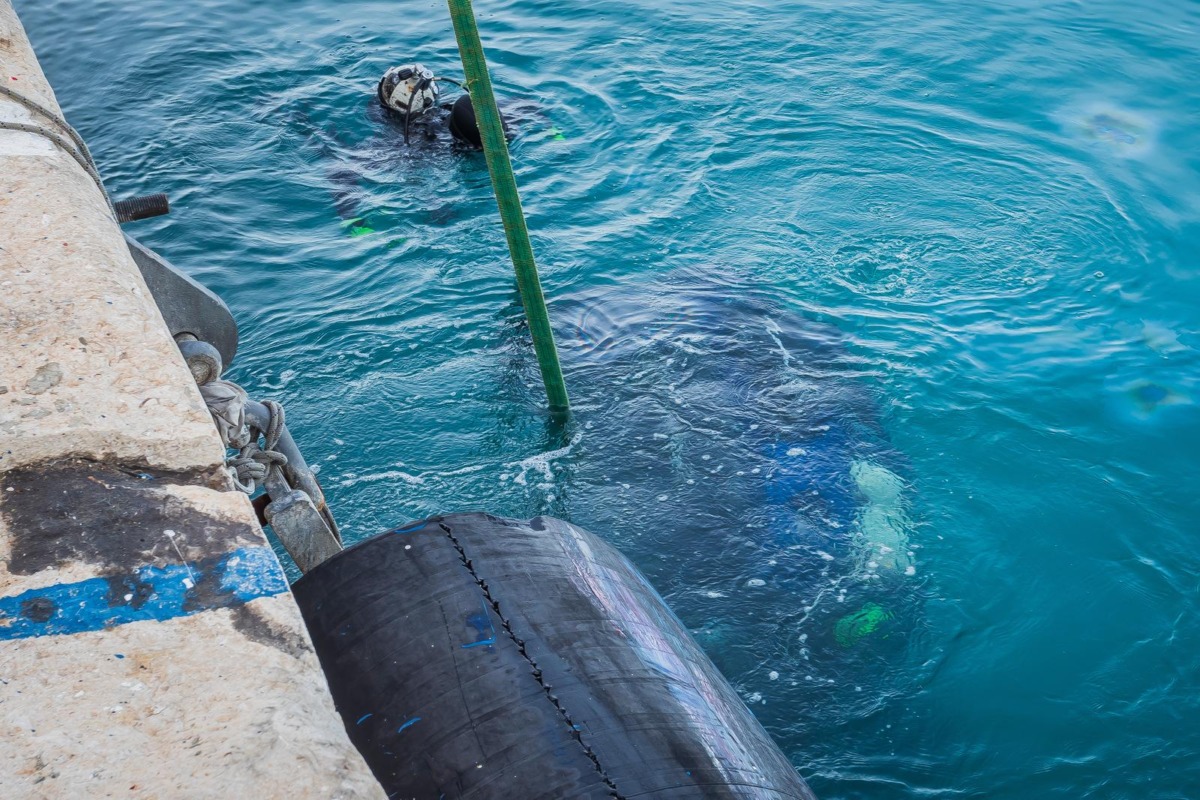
[547, 689]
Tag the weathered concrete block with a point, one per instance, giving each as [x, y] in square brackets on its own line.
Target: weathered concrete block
[149, 645]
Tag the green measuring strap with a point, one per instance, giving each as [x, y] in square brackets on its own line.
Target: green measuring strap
[495, 150]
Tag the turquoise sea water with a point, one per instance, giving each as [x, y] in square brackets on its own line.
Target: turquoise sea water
[987, 214]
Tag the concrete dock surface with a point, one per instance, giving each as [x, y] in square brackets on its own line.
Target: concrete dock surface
[149, 645]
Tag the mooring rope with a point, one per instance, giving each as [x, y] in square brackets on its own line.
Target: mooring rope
[252, 465]
[79, 151]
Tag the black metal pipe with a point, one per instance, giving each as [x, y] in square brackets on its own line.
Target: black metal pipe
[135, 208]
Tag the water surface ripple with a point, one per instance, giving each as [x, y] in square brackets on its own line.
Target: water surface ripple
[825, 275]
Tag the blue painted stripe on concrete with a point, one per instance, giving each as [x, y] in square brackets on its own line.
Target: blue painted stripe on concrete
[148, 593]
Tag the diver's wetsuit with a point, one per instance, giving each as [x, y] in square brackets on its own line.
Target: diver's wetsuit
[432, 126]
[433, 130]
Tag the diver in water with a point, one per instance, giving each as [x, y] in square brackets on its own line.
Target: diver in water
[411, 91]
[409, 97]
[739, 438]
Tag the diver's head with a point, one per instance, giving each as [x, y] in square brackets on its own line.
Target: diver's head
[462, 122]
[410, 89]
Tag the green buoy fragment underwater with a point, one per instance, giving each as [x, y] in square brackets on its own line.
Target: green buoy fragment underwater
[358, 226]
[859, 624]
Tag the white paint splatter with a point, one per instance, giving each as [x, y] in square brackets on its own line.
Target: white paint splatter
[190, 580]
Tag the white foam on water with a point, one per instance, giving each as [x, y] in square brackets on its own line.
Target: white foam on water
[388, 475]
[453, 473]
[542, 463]
[773, 330]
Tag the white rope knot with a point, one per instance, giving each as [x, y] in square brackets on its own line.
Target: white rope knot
[252, 465]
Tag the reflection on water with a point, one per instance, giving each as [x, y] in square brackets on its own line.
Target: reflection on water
[1118, 129]
[1145, 398]
[827, 278]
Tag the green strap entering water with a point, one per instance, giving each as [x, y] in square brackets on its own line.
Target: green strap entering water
[495, 149]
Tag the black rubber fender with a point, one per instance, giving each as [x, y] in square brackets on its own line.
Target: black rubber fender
[478, 657]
